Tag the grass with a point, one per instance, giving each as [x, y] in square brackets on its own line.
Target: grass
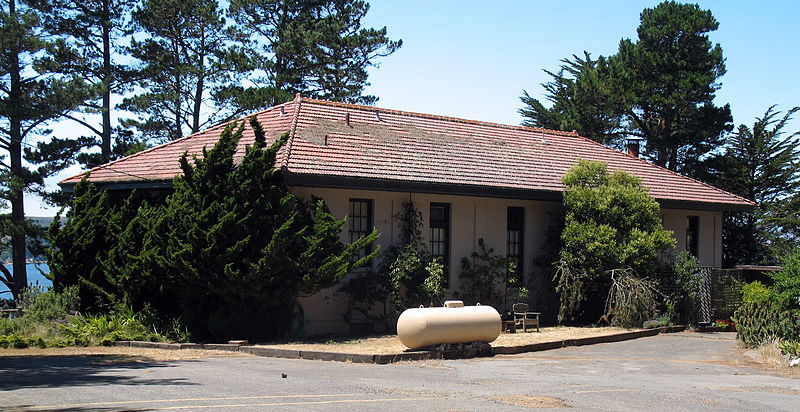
[50, 320]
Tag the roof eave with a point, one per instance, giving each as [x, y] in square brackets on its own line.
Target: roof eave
[69, 187]
[704, 206]
[392, 185]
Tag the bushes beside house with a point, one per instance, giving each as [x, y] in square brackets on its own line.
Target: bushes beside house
[227, 252]
[611, 225]
[50, 319]
[773, 312]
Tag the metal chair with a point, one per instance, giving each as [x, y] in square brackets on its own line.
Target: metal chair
[523, 318]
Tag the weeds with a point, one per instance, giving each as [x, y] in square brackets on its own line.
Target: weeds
[50, 320]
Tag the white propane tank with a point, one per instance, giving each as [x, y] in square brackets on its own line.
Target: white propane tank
[421, 327]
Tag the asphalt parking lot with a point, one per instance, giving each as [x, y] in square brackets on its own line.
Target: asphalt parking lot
[682, 371]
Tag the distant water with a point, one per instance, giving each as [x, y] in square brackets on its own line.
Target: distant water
[35, 277]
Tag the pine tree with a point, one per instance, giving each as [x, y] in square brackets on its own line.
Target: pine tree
[317, 48]
[95, 28]
[182, 58]
[760, 163]
[660, 88]
[33, 92]
[669, 77]
[581, 100]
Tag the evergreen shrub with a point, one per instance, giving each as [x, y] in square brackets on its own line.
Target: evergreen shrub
[759, 322]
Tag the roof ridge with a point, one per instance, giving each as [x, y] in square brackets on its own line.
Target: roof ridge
[437, 117]
[650, 164]
[292, 131]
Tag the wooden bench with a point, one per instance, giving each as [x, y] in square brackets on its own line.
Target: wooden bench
[523, 318]
[509, 326]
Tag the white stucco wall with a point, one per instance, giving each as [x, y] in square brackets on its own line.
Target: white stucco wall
[473, 218]
[709, 241]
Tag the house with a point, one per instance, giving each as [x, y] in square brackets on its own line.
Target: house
[470, 180]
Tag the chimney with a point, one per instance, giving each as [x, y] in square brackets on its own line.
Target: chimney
[633, 146]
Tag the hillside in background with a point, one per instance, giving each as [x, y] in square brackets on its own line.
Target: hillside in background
[5, 248]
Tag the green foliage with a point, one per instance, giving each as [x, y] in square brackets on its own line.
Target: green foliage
[228, 251]
[790, 347]
[105, 329]
[407, 275]
[659, 87]
[96, 29]
[758, 322]
[38, 88]
[182, 57]
[760, 163]
[682, 277]
[80, 244]
[580, 100]
[318, 48]
[50, 305]
[487, 278]
[774, 312]
[610, 223]
[434, 284]
[631, 300]
[755, 292]
[49, 320]
[787, 281]
[240, 247]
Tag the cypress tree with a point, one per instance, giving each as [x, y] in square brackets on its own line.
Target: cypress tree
[242, 246]
[80, 244]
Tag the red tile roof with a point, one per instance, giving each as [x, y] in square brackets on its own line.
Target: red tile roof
[333, 140]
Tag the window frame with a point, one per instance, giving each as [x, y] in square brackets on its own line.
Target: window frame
[693, 235]
[446, 244]
[515, 222]
[356, 233]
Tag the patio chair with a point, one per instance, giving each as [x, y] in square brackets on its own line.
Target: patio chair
[523, 318]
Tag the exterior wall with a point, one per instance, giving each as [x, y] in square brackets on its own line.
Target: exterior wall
[473, 218]
[709, 239]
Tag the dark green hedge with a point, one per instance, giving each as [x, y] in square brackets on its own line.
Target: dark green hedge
[757, 322]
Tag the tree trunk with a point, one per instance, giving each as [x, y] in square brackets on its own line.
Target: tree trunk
[15, 157]
[105, 143]
[198, 97]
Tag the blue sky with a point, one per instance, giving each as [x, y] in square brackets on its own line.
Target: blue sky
[473, 59]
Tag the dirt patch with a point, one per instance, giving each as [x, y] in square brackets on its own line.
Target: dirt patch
[530, 401]
[766, 357]
[108, 355]
[391, 343]
[553, 334]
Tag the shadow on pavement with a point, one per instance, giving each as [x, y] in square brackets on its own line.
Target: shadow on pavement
[20, 372]
[28, 408]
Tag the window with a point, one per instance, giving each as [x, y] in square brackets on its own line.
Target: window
[515, 245]
[440, 235]
[360, 218]
[692, 231]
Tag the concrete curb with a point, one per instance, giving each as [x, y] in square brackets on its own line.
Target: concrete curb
[384, 359]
